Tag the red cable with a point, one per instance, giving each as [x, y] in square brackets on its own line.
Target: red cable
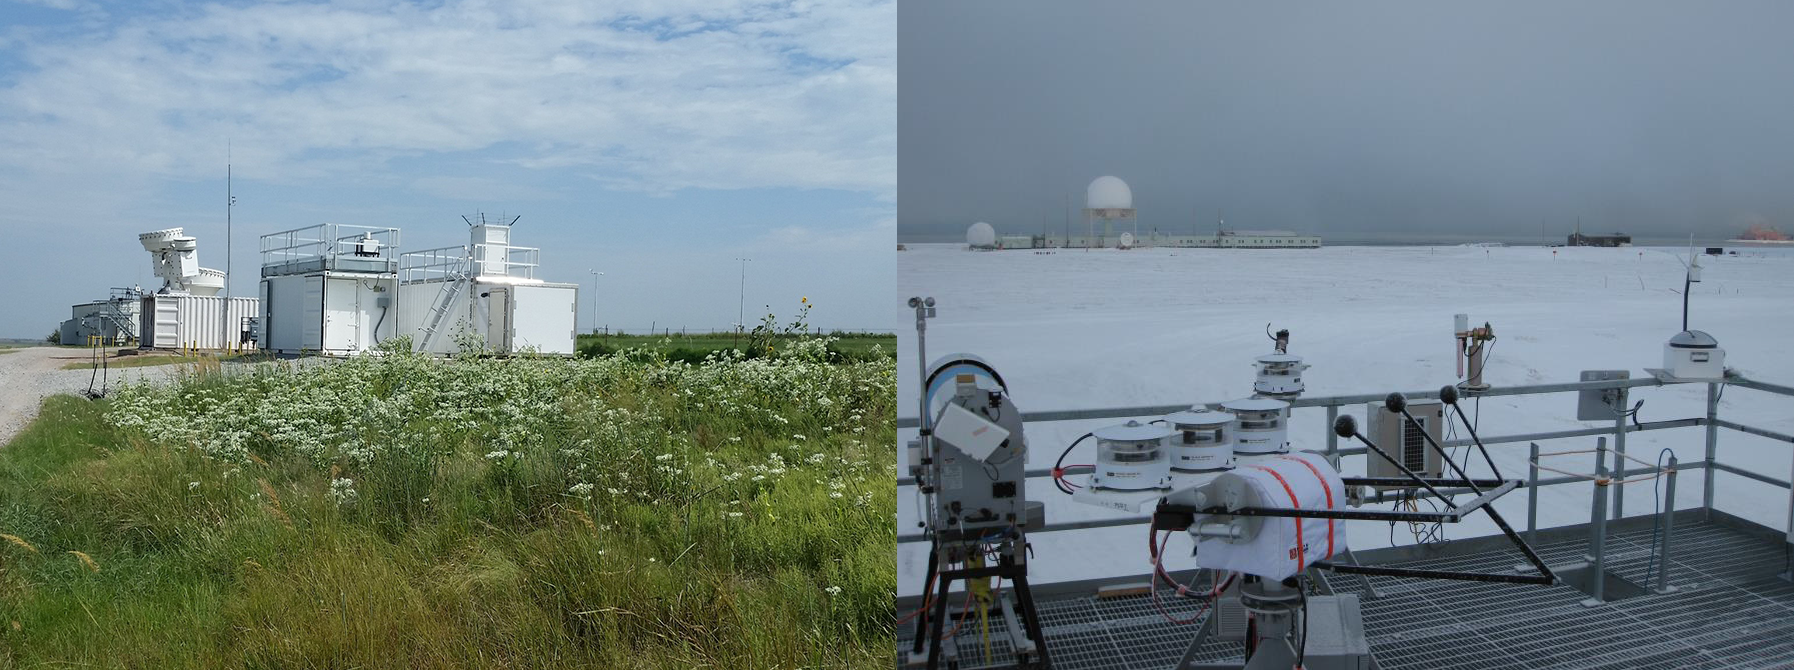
[1059, 475]
[962, 616]
[1159, 570]
[912, 615]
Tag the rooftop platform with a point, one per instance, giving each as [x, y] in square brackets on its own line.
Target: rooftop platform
[1731, 608]
[330, 247]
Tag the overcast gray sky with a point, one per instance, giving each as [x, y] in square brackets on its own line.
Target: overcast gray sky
[1357, 119]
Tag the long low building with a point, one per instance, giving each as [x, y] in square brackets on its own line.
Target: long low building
[1241, 239]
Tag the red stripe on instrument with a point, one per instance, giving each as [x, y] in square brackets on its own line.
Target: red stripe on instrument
[1301, 548]
[1324, 487]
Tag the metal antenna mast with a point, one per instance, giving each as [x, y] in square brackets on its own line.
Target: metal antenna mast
[230, 203]
[740, 302]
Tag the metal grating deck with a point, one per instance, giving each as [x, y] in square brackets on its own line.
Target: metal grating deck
[1732, 611]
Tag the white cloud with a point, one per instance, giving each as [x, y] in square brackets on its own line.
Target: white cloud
[478, 189]
[651, 96]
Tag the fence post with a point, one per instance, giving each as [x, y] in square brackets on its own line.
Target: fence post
[1712, 448]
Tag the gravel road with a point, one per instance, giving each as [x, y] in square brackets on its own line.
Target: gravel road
[29, 375]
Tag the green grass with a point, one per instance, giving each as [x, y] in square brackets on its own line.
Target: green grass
[401, 512]
[695, 346]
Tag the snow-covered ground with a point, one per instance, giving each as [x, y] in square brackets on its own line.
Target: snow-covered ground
[1106, 328]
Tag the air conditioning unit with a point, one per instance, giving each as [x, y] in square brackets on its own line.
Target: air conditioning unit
[1398, 438]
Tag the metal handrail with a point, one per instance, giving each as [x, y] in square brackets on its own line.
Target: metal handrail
[433, 264]
[325, 240]
[491, 260]
[1710, 464]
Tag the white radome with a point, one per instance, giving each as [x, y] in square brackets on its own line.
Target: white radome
[981, 236]
[1108, 193]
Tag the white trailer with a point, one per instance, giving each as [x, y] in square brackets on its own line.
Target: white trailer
[487, 289]
[329, 289]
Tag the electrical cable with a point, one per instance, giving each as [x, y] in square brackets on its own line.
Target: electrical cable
[1059, 465]
[1656, 514]
[1156, 548]
[961, 619]
[377, 323]
[1302, 648]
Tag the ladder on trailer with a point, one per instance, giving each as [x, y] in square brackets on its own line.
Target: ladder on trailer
[445, 298]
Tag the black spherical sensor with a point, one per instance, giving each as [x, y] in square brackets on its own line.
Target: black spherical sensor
[1448, 394]
[1396, 402]
[1346, 426]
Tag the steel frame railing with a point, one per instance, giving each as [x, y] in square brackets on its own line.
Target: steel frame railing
[1332, 404]
[324, 240]
[486, 260]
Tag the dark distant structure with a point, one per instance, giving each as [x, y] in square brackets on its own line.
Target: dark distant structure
[1577, 239]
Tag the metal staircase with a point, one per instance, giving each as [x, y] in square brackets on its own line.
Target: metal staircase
[124, 322]
[445, 299]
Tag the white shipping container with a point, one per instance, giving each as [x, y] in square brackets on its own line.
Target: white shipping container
[511, 316]
[332, 313]
[181, 321]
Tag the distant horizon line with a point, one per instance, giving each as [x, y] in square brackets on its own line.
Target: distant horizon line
[1397, 239]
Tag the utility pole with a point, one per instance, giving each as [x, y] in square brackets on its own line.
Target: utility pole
[741, 303]
[595, 275]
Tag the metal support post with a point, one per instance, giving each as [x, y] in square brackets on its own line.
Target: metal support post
[1712, 447]
[1669, 528]
[1332, 438]
[1532, 497]
[1532, 504]
[1619, 459]
[1597, 539]
[1789, 574]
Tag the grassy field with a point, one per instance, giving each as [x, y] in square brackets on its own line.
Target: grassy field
[404, 512]
[695, 346]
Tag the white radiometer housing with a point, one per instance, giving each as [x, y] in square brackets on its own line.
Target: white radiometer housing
[1201, 440]
[1261, 428]
[1132, 457]
[1127, 241]
[1279, 375]
[1693, 354]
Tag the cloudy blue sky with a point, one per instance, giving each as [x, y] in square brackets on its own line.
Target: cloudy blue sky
[653, 140]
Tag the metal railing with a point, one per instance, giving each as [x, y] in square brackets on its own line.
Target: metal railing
[434, 264]
[1710, 464]
[479, 260]
[327, 240]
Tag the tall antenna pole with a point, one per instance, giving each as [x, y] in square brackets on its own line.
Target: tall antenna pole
[740, 302]
[595, 275]
[230, 202]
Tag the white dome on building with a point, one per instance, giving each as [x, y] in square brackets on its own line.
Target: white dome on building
[981, 236]
[1108, 193]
